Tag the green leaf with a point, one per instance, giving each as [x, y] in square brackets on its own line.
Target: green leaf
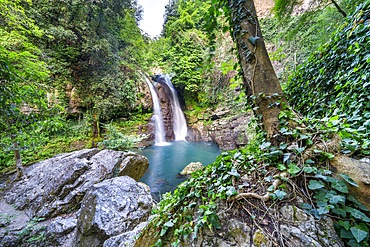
[309, 169]
[213, 219]
[357, 203]
[286, 157]
[348, 179]
[231, 191]
[353, 243]
[339, 211]
[280, 194]
[281, 167]
[234, 172]
[315, 184]
[357, 214]
[358, 233]
[340, 186]
[265, 145]
[169, 224]
[337, 199]
[293, 169]
[345, 224]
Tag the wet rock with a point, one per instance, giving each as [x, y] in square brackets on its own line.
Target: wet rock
[57, 185]
[110, 208]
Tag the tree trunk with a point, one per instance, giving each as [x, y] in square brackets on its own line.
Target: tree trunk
[18, 159]
[258, 74]
[95, 130]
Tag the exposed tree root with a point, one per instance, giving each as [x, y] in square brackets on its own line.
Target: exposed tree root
[278, 181]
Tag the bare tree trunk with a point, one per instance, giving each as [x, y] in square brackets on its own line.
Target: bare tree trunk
[258, 74]
[339, 8]
[18, 159]
[96, 132]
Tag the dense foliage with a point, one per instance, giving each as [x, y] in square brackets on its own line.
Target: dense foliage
[60, 60]
[334, 82]
[194, 206]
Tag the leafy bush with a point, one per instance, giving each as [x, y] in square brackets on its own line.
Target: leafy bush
[334, 82]
[116, 140]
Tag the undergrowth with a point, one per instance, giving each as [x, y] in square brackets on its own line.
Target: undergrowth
[305, 179]
[334, 83]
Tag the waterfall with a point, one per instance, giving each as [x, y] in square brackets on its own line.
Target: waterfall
[179, 123]
[157, 116]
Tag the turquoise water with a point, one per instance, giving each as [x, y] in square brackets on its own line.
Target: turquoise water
[167, 161]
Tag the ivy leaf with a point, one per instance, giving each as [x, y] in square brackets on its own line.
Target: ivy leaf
[340, 186]
[169, 224]
[234, 172]
[315, 185]
[357, 203]
[358, 214]
[353, 243]
[286, 157]
[293, 169]
[339, 211]
[213, 219]
[308, 169]
[345, 224]
[345, 234]
[323, 210]
[299, 150]
[358, 233]
[309, 162]
[280, 194]
[265, 145]
[348, 179]
[337, 199]
[231, 191]
[281, 167]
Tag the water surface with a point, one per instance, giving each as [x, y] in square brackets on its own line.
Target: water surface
[166, 161]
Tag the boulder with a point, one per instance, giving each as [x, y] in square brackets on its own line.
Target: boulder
[359, 171]
[192, 167]
[110, 208]
[56, 186]
[125, 239]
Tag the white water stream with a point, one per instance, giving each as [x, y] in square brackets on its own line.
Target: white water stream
[179, 123]
[160, 134]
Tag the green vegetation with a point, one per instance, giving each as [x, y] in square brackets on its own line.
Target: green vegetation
[335, 82]
[192, 208]
[67, 68]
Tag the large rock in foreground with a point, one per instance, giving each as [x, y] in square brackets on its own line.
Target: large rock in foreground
[57, 185]
[43, 209]
[359, 171]
[110, 208]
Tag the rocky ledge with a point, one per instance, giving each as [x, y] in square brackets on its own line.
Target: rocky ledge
[83, 198]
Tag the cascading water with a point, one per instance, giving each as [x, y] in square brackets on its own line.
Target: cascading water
[179, 123]
[157, 116]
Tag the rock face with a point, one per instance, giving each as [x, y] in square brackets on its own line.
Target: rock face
[43, 209]
[294, 227]
[163, 95]
[110, 208]
[227, 129]
[359, 171]
[57, 185]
